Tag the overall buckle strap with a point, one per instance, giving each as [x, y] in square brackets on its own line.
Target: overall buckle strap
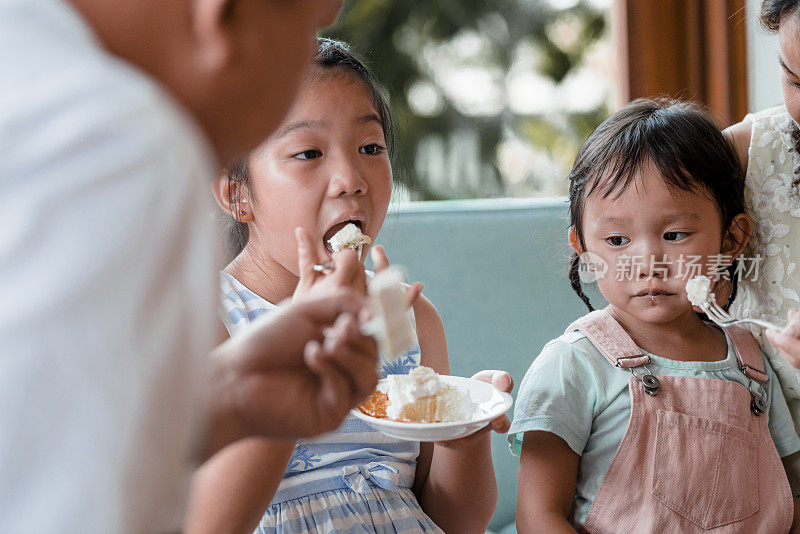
[751, 362]
[611, 340]
[628, 362]
[748, 353]
[617, 347]
[755, 374]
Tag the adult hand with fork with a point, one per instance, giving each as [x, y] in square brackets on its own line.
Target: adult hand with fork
[787, 341]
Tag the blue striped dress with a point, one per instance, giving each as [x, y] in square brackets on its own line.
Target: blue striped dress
[352, 480]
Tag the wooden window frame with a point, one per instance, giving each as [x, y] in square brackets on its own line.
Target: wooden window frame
[688, 49]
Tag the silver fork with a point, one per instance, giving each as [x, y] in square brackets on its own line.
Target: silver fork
[328, 265]
[325, 266]
[725, 319]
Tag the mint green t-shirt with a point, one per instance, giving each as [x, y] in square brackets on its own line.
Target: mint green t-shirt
[572, 391]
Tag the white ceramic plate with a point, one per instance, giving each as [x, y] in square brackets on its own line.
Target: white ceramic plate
[491, 403]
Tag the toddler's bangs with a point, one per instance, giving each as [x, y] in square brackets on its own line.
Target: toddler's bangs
[670, 141]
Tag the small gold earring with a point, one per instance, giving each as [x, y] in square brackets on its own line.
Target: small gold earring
[242, 212]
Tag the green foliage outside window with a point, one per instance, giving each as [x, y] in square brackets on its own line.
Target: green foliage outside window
[462, 78]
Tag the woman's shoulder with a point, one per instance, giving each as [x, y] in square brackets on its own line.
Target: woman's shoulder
[739, 135]
[770, 128]
[776, 114]
[752, 129]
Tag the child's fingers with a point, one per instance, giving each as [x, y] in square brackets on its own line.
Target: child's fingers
[347, 265]
[501, 424]
[349, 271]
[413, 292]
[359, 280]
[306, 258]
[503, 381]
[499, 379]
[379, 259]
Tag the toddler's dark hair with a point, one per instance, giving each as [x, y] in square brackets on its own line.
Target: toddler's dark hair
[332, 58]
[678, 138]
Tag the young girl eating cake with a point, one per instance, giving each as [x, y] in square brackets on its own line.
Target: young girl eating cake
[328, 167]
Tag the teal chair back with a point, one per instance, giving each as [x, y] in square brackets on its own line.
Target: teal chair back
[497, 272]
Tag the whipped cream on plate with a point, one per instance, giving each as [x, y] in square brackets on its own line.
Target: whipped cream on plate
[421, 397]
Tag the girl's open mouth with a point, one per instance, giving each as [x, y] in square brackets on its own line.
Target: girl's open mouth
[335, 228]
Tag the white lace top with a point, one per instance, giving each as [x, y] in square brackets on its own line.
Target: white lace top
[775, 209]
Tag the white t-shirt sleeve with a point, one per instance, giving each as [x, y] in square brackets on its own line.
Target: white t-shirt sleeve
[558, 395]
[107, 277]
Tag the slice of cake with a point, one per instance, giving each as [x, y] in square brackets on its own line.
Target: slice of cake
[349, 237]
[421, 397]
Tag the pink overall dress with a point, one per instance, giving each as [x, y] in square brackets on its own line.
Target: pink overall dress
[697, 455]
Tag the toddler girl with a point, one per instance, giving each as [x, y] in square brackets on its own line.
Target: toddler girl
[328, 165]
[642, 416]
